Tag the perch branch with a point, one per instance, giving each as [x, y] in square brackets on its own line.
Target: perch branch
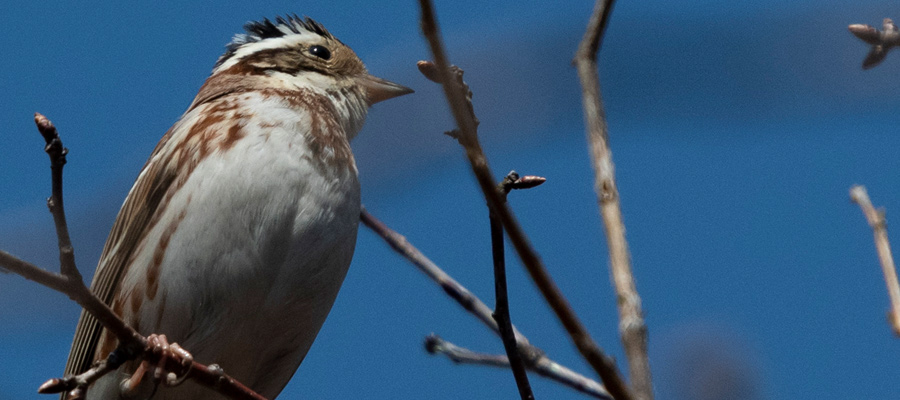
[535, 359]
[632, 328]
[70, 283]
[879, 229]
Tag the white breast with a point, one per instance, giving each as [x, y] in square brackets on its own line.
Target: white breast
[257, 241]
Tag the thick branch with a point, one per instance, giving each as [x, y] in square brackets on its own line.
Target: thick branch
[535, 359]
[631, 326]
[879, 229]
[466, 122]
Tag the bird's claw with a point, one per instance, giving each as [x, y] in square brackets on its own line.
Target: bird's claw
[160, 345]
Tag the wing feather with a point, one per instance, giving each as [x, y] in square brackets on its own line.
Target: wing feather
[139, 212]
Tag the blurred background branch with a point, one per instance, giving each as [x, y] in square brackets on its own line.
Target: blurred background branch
[631, 318]
[876, 220]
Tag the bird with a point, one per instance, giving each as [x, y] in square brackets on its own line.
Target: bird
[239, 230]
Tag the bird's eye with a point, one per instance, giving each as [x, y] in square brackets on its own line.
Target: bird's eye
[320, 51]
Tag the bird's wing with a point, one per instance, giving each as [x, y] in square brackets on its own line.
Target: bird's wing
[134, 220]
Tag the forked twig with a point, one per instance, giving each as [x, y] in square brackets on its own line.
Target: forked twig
[70, 283]
[455, 91]
[632, 328]
[76, 385]
[883, 247]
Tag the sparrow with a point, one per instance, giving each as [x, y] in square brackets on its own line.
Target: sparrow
[240, 228]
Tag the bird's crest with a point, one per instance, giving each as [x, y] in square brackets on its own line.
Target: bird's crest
[266, 29]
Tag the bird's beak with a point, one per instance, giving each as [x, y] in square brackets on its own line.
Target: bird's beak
[378, 89]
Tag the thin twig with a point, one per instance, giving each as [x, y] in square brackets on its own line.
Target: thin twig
[455, 92]
[632, 328]
[70, 283]
[454, 289]
[434, 344]
[879, 229]
[535, 359]
[57, 153]
[501, 308]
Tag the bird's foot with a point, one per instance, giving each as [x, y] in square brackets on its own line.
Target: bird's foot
[168, 352]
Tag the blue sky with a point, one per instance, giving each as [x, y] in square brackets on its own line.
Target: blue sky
[737, 129]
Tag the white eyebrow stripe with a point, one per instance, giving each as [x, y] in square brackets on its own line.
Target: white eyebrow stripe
[247, 49]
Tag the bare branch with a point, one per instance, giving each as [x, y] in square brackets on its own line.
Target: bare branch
[535, 359]
[879, 228]
[70, 283]
[631, 325]
[882, 41]
[434, 344]
[456, 94]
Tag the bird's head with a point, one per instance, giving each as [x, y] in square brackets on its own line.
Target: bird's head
[300, 52]
[293, 53]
